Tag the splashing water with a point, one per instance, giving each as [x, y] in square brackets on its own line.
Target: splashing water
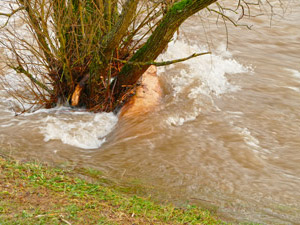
[83, 134]
[202, 77]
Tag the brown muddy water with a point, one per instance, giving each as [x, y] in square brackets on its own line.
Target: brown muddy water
[227, 132]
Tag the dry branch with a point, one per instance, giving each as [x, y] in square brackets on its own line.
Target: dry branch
[164, 63]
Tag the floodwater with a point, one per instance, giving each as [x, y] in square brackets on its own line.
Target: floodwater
[226, 134]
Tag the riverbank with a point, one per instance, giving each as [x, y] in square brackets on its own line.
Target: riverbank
[32, 193]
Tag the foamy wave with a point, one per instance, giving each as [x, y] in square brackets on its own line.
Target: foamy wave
[199, 77]
[208, 70]
[178, 120]
[249, 139]
[83, 134]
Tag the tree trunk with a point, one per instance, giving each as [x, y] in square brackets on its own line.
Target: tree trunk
[113, 38]
[157, 42]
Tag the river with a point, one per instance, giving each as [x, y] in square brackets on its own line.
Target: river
[226, 134]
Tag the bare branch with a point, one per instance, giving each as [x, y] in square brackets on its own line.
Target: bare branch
[9, 15]
[118, 32]
[164, 63]
[20, 69]
[229, 19]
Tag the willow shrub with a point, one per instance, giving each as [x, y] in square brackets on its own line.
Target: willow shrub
[91, 53]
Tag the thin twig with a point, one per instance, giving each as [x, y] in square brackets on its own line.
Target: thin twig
[20, 69]
[164, 63]
[9, 15]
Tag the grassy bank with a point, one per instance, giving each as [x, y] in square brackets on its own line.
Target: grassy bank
[34, 194]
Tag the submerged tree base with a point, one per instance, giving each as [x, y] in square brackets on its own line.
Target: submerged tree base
[147, 95]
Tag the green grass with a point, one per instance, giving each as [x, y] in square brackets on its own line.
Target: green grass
[34, 194]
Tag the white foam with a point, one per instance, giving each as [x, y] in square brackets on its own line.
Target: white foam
[201, 76]
[179, 120]
[235, 114]
[252, 142]
[207, 70]
[7, 125]
[249, 139]
[294, 89]
[295, 73]
[83, 134]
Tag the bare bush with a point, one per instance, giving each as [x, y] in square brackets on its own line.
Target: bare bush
[92, 52]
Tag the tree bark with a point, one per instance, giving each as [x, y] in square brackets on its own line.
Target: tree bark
[114, 37]
[157, 42]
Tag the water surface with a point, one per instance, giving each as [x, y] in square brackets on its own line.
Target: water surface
[227, 132]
